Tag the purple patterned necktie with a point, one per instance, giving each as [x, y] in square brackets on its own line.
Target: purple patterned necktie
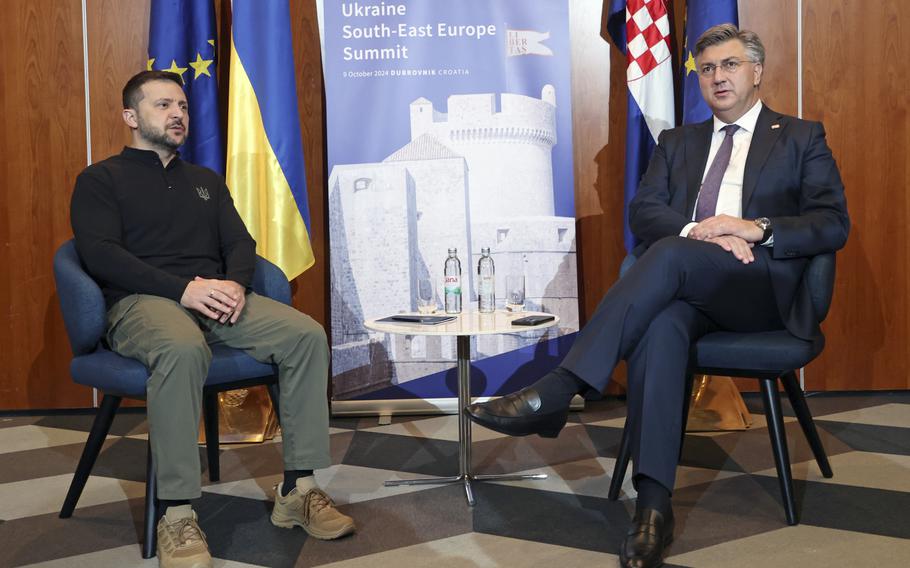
[710, 188]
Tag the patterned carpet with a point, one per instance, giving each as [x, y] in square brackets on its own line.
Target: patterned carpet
[727, 501]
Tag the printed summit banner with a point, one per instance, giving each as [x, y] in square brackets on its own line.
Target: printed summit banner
[449, 125]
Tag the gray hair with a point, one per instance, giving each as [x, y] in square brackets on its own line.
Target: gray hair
[722, 33]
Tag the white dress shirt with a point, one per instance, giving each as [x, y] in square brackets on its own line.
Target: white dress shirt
[730, 195]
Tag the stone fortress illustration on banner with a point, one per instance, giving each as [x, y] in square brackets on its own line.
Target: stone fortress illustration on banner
[469, 178]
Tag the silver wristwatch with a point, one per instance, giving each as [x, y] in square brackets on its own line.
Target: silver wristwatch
[764, 224]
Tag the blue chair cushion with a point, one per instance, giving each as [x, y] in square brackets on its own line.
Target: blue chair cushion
[115, 374]
[229, 365]
[81, 301]
[110, 373]
[772, 351]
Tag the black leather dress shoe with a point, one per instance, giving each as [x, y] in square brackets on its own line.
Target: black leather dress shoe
[647, 540]
[519, 414]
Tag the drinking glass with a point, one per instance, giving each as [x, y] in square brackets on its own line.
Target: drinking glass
[426, 296]
[515, 292]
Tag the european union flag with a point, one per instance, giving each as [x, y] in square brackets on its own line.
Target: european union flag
[182, 40]
[700, 15]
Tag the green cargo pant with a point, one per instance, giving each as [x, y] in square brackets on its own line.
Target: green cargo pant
[173, 343]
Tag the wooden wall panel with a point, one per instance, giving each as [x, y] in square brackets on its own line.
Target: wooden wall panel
[43, 148]
[855, 81]
[117, 50]
[864, 107]
[775, 23]
[311, 288]
[599, 130]
[598, 124]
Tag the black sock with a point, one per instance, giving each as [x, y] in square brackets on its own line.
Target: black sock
[557, 387]
[290, 479]
[164, 504]
[652, 495]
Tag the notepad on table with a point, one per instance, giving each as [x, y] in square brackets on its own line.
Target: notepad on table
[418, 319]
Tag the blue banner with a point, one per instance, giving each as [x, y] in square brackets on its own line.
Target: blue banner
[700, 15]
[449, 125]
[182, 40]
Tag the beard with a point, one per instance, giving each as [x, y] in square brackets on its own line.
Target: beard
[158, 137]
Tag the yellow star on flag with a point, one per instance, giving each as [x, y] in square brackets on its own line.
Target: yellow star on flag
[151, 61]
[690, 64]
[201, 66]
[174, 69]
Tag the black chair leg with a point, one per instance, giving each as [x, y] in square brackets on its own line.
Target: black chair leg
[100, 427]
[149, 543]
[274, 394]
[687, 403]
[625, 445]
[622, 462]
[798, 401]
[778, 436]
[210, 418]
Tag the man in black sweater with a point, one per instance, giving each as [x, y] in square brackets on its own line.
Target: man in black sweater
[163, 240]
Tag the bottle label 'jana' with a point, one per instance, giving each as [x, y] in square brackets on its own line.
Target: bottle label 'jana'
[453, 284]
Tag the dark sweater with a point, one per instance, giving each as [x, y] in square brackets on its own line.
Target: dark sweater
[143, 228]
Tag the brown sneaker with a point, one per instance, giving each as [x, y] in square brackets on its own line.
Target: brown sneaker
[181, 544]
[314, 511]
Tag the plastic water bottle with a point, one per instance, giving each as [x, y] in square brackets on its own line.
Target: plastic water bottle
[486, 274]
[453, 283]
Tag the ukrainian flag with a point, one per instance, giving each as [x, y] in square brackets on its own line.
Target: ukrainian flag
[265, 170]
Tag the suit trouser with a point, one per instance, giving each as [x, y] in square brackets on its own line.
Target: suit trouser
[679, 290]
[173, 343]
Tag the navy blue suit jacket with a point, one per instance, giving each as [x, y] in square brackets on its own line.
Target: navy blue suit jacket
[790, 177]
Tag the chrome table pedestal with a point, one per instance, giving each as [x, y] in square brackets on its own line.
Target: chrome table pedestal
[465, 475]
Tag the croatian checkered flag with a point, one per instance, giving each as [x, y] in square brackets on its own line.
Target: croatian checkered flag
[641, 30]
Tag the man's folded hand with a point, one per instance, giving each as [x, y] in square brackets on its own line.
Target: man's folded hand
[741, 249]
[221, 300]
[722, 225]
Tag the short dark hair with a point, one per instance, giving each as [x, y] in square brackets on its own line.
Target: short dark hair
[132, 91]
[722, 33]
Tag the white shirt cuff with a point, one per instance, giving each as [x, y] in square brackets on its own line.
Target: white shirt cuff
[686, 229]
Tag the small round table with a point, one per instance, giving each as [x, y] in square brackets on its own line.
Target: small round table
[465, 326]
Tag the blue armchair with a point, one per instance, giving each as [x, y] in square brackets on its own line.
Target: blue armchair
[94, 365]
[766, 356]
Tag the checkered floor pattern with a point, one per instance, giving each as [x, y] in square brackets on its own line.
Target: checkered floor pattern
[726, 501]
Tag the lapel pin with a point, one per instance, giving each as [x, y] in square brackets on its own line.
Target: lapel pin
[773, 126]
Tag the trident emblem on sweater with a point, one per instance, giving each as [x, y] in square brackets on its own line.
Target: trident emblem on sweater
[203, 192]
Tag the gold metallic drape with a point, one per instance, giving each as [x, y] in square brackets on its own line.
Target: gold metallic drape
[716, 405]
[244, 416]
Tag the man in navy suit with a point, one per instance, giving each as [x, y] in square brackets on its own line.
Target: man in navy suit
[728, 215]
